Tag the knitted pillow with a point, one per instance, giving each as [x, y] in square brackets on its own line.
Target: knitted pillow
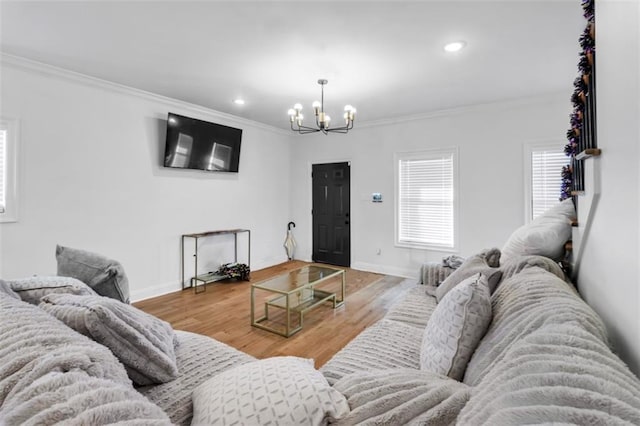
[143, 343]
[456, 327]
[104, 275]
[6, 289]
[31, 289]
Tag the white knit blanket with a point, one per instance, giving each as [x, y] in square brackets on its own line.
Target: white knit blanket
[545, 359]
[49, 374]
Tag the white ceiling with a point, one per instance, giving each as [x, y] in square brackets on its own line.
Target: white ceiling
[384, 57]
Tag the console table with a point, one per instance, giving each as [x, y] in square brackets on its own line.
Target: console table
[211, 276]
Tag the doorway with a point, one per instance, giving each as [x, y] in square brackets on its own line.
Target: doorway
[331, 185]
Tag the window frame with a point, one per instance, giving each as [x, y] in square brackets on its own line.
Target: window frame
[426, 154]
[529, 149]
[12, 126]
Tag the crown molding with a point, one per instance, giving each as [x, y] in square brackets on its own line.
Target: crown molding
[501, 104]
[22, 63]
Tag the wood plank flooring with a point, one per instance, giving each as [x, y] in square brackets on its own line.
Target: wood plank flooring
[223, 312]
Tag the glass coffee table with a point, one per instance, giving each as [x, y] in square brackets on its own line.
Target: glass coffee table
[295, 293]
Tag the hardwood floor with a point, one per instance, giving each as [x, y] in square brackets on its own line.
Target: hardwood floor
[223, 312]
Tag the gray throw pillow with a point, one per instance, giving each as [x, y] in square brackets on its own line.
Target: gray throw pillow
[31, 289]
[143, 343]
[5, 288]
[473, 265]
[456, 327]
[104, 275]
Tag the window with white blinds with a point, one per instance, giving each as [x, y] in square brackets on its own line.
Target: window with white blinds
[8, 170]
[3, 169]
[426, 199]
[544, 177]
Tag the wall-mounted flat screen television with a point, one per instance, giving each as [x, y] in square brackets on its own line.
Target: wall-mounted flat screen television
[200, 145]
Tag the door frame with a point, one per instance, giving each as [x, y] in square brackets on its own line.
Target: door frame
[309, 184]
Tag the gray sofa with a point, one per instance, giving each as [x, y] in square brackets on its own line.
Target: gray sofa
[51, 374]
[544, 359]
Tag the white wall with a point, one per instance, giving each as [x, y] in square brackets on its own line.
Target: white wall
[92, 179]
[609, 278]
[490, 139]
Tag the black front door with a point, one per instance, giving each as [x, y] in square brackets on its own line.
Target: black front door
[331, 207]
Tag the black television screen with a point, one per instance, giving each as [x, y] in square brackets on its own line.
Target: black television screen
[200, 145]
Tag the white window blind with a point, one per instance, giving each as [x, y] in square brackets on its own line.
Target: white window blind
[546, 179]
[3, 170]
[425, 198]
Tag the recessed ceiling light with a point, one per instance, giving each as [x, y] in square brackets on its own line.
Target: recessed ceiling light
[454, 46]
[238, 101]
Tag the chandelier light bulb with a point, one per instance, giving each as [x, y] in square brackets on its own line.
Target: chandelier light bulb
[297, 107]
[291, 112]
[454, 46]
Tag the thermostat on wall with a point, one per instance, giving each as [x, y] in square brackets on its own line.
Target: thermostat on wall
[376, 197]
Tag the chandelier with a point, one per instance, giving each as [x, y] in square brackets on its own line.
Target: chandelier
[323, 120]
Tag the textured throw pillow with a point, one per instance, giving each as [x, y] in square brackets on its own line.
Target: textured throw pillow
[456, 327]
[544, 236]
[472, 266]
[31, 289]
[104, 275]
[143, 343]
[34, 344]
[276, 391]
[6, 289]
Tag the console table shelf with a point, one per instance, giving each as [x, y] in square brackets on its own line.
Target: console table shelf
[209, 277]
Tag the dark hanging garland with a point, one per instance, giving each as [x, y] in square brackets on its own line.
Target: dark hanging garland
[567, 182]
[588, 9]
[578, 98]
[586, 41]
[571, 148]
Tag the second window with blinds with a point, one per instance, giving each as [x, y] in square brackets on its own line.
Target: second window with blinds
[425, 199]
[543, 164]
[8, 170]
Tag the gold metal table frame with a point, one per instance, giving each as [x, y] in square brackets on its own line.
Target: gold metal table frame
[296, 293]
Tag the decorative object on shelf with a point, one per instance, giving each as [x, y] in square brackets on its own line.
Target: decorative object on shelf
[323, 120]
[376, 197]
[588, 8]
[581, 136]
[239, 271]
[567, 181]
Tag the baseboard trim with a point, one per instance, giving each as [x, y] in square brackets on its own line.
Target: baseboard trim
[384, 269]
[170, 287]
[154, 291]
